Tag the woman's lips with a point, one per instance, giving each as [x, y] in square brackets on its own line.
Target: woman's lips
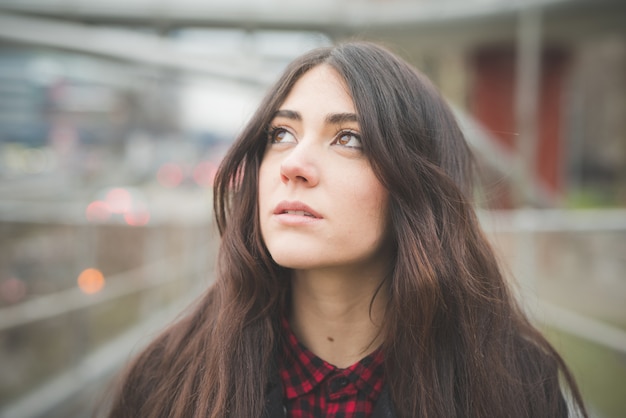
[295, 210]
[299, 213]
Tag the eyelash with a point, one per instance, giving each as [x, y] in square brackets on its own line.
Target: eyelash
[272, 131]
[350, 133]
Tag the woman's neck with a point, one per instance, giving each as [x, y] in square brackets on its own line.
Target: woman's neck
[333, 316]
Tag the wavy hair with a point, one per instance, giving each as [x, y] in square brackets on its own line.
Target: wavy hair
[456, 343]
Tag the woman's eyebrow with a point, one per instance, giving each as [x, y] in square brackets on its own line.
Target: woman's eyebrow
[339, 118]
[289, 114]
[330, 119]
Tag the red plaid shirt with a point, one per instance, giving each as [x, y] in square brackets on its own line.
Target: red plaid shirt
[313, 388]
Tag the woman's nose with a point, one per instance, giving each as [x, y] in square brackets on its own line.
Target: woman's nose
[300, 166]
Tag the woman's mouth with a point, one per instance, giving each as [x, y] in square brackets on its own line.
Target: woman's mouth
[299, 213]
[296, 208]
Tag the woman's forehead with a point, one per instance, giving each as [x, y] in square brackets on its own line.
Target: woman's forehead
[321, 90]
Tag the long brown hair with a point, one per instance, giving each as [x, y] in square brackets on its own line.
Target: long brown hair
[456, 343]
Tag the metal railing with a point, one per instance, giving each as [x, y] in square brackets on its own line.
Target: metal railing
[525, 227]
[104, 360]
[151, 295]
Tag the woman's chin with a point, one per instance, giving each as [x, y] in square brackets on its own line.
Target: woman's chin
[295, 262]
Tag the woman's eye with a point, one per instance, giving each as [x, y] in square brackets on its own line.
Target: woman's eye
[348, 139]
[281, 136]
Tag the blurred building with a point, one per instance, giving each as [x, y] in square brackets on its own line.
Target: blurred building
[544, 77]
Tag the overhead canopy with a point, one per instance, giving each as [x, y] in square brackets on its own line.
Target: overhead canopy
[425, 22]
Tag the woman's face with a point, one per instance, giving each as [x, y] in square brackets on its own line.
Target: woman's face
[320, 204]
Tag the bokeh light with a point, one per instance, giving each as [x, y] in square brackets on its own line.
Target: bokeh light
[21, 159]
[91, 281]
[204, 174]
[170, 175]
[119, 200]
[137, 217]
[98, 211]
[119, 204]
[12, 290]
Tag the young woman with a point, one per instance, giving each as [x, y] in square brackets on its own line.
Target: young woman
[353, 278]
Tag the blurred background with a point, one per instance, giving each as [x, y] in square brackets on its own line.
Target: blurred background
[114, 116]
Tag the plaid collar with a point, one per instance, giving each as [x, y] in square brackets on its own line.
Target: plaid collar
[301, 371]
